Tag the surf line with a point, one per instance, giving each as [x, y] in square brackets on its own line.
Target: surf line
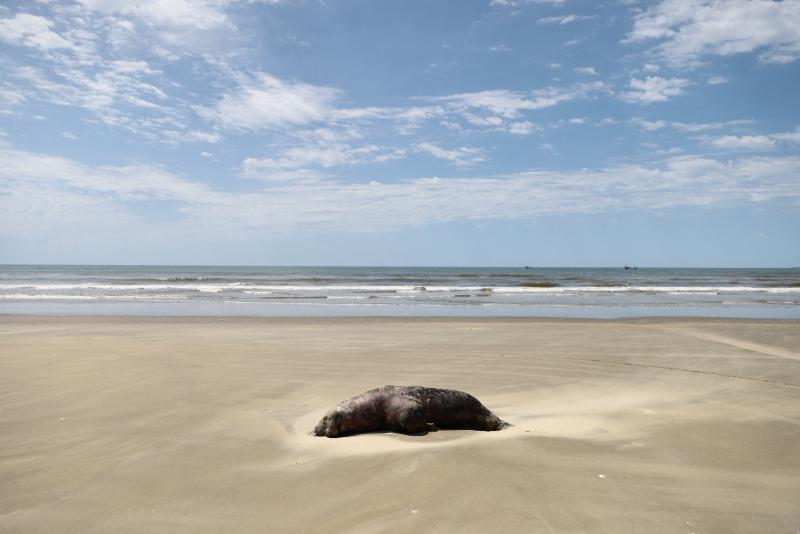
[726, 375]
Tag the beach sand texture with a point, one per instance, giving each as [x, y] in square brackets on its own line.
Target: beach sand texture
[203, 425]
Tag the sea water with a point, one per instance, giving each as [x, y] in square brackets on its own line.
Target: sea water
[410, 291]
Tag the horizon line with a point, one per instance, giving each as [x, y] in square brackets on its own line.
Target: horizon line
[522, 266]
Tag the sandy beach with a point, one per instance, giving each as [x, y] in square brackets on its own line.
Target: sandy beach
[115, 424]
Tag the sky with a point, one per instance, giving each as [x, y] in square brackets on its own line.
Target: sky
[463, 132]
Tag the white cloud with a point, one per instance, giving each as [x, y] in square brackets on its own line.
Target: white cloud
[500, 48]
[565, 19]
[587, 70]
[264, 102]
[509, 104]
[462, 156]
[744, 142]
[692, 29]
[522, 128]
[301, 160]
[132, 94]
[409, 119]
[9, 99]
[755, 142]
[120, 94]
[32, 31]
[202, 14]
[498, 110]
[170, 29]
[647, 125]
[788, 137]
[717, 80]
[658, 124]
[267, 171]
[654, 89]
[328, 135]
[97, 63]
[320, 148]
[48, 212]
[500, 102]
[189, 136]
[125, 182]
[492, 123]
[42, 193]
[702, 126]
[489, 121]
[106, 75]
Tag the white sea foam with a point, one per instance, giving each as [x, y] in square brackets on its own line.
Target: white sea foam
[27, 296]
[204, 288]
[66, 289]
[265, 289]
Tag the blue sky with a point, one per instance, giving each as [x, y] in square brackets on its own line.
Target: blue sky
[491, 132]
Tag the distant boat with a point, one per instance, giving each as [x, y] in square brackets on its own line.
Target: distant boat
[527, 267]
[629, 268]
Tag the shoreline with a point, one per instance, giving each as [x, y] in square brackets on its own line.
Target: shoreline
[344, 319]
[198, 309]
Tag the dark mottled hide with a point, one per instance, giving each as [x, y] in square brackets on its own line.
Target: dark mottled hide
[407, 409]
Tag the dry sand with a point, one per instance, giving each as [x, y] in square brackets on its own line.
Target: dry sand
[202, 425]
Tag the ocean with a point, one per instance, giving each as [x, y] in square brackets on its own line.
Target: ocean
[405, 291]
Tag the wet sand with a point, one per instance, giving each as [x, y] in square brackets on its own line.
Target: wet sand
[203, 425]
